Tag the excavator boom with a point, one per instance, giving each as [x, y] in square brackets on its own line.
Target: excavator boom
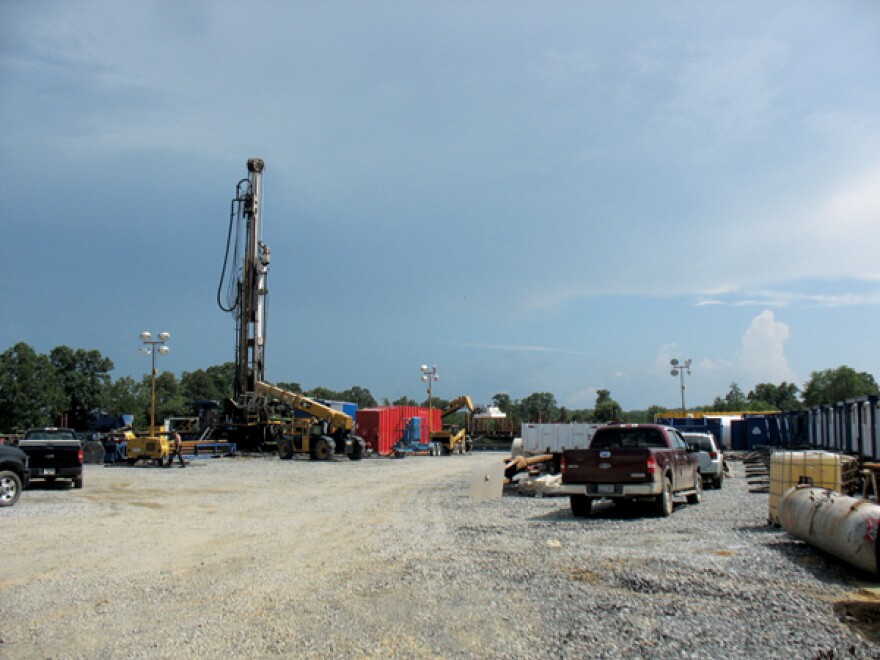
[337, 420]
[457, 404]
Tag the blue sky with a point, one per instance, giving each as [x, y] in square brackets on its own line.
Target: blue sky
[552, 196]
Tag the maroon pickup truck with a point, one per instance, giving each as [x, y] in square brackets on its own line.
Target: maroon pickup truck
[632, 462]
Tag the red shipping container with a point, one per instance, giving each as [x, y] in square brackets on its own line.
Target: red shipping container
[382, 428]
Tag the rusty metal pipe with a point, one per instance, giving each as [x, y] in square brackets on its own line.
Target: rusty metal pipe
[843, 526]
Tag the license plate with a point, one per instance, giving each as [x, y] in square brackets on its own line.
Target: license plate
[605, 488]
[48, 471]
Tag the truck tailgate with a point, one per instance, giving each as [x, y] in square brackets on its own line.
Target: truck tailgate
[47, 454]
[618, 466]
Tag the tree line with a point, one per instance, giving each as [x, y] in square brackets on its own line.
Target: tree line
[71, 387]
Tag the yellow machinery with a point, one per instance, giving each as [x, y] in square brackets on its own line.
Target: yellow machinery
[322, 433]
[454, 439]
[156, 448]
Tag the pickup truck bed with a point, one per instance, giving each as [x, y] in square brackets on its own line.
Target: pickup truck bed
[631, 462]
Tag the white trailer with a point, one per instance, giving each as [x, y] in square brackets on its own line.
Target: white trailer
[556, 438]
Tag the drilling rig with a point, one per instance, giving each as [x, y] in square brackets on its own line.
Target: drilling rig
[261, 416]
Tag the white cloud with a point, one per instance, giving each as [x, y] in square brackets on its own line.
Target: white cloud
[763, 350]
[851, 212]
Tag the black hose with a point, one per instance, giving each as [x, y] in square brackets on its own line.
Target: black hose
[231, 303]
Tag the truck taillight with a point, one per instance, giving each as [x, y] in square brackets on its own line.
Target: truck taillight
[650, 465]
[713, 455]
[563, 463]
[79, 456]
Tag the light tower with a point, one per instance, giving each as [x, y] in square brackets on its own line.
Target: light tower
[430, 376]
[678, 369]
[151, 347]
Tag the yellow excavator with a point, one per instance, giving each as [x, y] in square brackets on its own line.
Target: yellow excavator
[454, 439]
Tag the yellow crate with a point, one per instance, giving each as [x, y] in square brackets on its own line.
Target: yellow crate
[822, 469]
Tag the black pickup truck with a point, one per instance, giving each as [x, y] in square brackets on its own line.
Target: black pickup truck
[54, 453]
[14, 474]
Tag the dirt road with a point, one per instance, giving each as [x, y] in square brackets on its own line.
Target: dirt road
[256, 557]
[234, 556]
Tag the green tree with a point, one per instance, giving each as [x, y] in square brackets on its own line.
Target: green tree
[125, 396]
[607, 409]
[211, 384]
[323, 393]
[31, 393]
[733, 401]
[402, 401]
[766, 396]
[170, 399]
[359, 395]
[296, 388]
[539, 407]
[503, 402]
[833, 385]
[83, 376]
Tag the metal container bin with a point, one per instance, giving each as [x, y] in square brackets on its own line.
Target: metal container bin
[822, 469]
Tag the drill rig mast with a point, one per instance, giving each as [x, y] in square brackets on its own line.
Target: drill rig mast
[244, 275]
[250, 314]
[256, 421]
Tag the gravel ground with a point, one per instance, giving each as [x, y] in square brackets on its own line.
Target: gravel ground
[391, 558]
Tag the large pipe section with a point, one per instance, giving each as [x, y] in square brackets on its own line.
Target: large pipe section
[843, 526]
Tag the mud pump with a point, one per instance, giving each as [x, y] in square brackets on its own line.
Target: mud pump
[261, 416]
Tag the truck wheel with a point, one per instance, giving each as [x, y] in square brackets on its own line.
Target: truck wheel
[697, 497]
[717, 481]
[323, 450]
[10, 488]
[663, 504]
[581, 505]
[357, 449]
[285, 448]
[78, 482]
[131, 461]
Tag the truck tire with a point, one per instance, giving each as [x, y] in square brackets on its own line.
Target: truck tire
[10, 488]
[323, 450]
[357, 449]
[285, 448]
[581, 505]
[697, 496]
[663, 504]
[78, 482]
[717, 481]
